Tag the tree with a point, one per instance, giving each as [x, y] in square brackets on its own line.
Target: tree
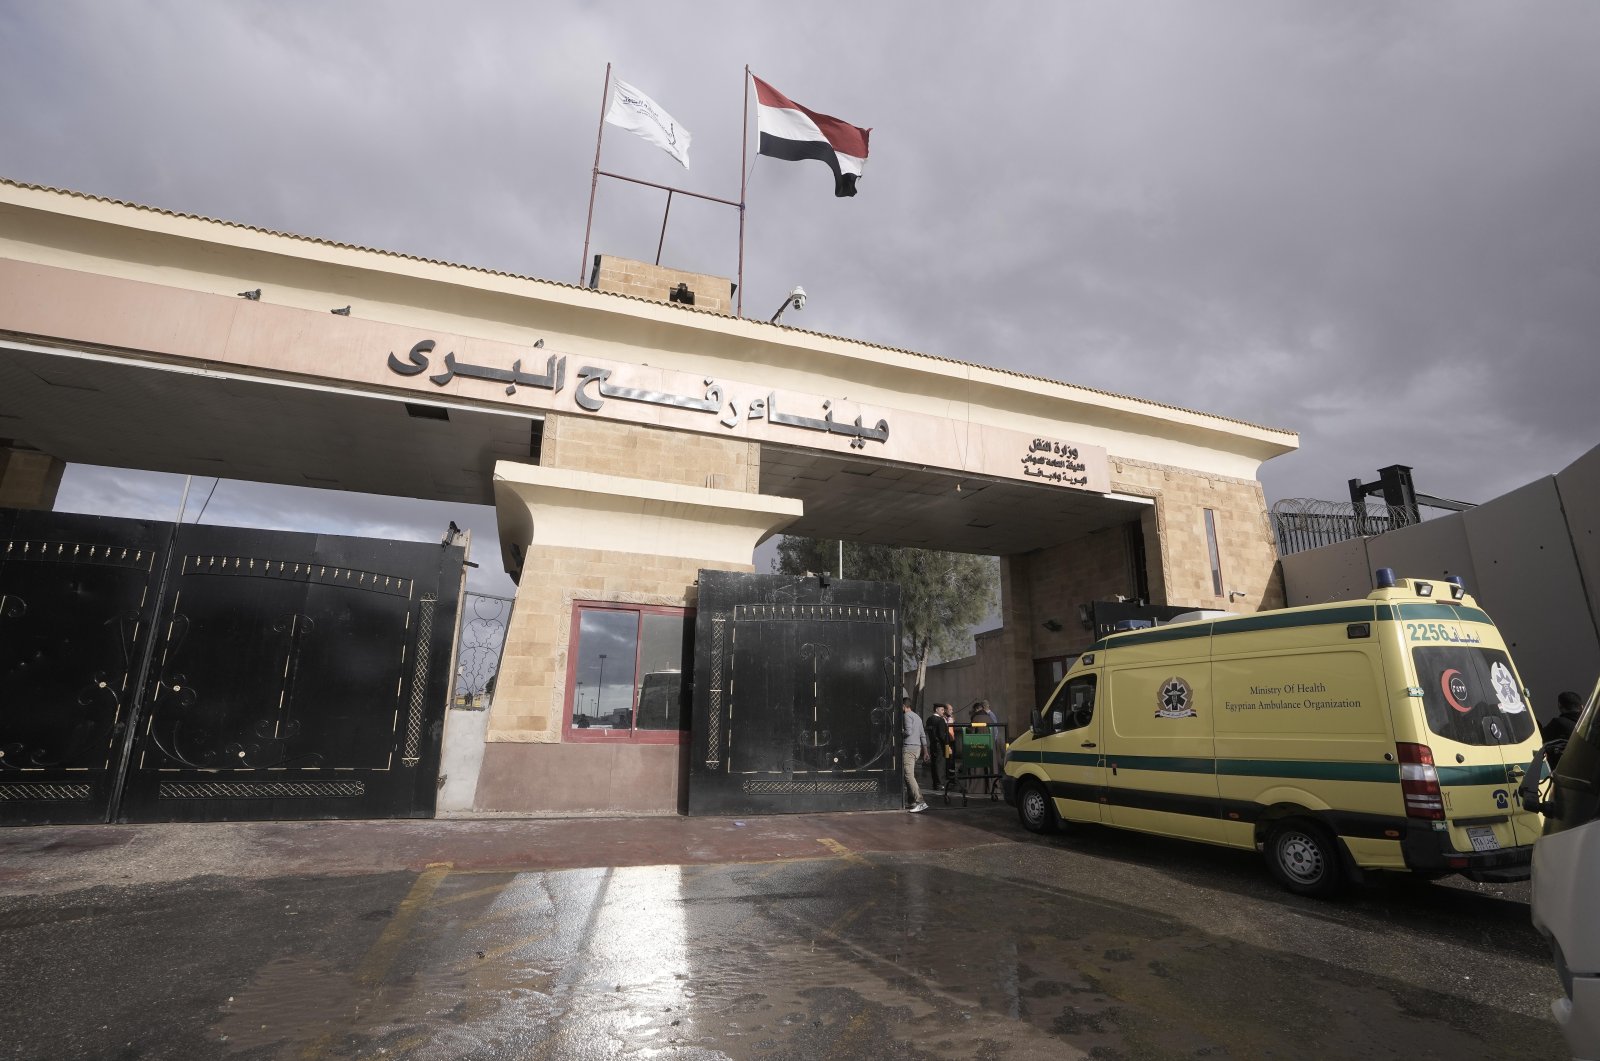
[942, 595]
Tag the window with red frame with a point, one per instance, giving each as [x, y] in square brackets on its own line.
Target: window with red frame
[630, 673]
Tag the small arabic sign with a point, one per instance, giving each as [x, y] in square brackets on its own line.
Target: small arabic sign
[1057, 462]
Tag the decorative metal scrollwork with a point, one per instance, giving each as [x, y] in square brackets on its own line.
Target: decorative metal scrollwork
[484, 622]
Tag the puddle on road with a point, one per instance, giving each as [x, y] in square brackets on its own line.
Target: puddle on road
[296, 1000]
[845, 959]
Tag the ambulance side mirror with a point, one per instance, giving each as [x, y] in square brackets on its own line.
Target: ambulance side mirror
[1036, 723]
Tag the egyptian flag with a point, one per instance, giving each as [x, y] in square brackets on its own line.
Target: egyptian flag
[791, 132]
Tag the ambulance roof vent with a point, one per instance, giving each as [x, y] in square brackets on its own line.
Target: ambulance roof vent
[1199, 614]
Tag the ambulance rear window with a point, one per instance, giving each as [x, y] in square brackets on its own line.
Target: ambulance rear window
[1471, 695]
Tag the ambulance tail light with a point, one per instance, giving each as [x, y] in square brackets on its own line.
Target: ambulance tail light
[1419, 782]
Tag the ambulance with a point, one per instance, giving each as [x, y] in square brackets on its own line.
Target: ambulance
[1388, 733]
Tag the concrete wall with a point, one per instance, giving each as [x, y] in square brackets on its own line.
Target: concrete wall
[1531, 558]
[961, 681]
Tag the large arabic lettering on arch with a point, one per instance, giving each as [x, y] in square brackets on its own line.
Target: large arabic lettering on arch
[641, 394]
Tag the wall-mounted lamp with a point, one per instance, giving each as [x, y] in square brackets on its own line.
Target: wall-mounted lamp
[1052, 625]
[252, 296]
[796, 298]
[1232, 593]
[1086, 616]
[345, 312]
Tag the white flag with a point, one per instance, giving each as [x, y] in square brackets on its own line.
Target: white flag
[638, 113]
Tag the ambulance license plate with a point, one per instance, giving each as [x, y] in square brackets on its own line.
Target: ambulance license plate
[1482, 837]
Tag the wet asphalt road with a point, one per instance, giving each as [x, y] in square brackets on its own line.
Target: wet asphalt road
[959, 936]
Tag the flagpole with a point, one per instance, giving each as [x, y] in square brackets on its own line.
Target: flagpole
[594, 183]
[662, 242]
[744, 154]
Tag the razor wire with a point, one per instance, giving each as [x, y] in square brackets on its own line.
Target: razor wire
[1301, 523]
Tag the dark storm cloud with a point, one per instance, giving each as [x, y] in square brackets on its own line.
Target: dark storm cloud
[1373, 223]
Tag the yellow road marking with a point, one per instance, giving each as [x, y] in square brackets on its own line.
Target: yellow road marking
[840, 850]
[849, 916]
[504, 949]
[476, 893]
[375, 965]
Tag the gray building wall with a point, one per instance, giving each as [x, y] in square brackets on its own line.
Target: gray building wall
[959, 682]
[1530, 557]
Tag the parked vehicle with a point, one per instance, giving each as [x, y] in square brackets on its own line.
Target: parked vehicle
[1566, 879]
[1387, 733]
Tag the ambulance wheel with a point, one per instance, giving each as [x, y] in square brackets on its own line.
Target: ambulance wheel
[1035, 807]
[1304, 857]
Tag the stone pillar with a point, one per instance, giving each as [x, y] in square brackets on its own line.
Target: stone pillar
[1014, 700]
[28, 478]
[586, 536]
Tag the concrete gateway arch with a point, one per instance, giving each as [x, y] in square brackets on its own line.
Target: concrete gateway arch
[628, 441]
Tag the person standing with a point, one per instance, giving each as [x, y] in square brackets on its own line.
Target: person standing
[913, 748]
[1570, 706]
[938, 728]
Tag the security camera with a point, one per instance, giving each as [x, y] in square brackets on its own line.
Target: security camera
[796, 298]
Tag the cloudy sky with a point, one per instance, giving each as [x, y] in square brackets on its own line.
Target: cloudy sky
[1377, 224]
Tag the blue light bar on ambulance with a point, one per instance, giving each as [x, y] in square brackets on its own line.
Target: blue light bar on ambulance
[1385, 577]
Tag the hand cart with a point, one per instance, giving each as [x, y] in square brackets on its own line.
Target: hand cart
[975, 759]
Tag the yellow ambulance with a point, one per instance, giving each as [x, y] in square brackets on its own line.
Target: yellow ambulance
[1381, 734]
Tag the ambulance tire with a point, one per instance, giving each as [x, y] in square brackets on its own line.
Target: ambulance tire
[1035, 807]
[1305, 858]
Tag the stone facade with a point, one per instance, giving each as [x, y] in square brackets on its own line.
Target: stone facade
[622, 276]
[635, 452]
[530, 704]
[1249, 557]
[28, 478]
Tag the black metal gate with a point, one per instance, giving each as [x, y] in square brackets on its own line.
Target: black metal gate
[796, 695]
[77, 600]
[283, 676]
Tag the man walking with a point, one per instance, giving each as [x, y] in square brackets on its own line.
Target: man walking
[913, 749]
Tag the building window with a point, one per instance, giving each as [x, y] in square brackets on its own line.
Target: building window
[629, 674]
[1216, 557]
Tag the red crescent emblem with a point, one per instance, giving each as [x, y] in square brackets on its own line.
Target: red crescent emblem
[1454, 688]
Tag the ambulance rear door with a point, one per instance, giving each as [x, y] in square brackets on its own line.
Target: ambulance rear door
[1478, 725]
